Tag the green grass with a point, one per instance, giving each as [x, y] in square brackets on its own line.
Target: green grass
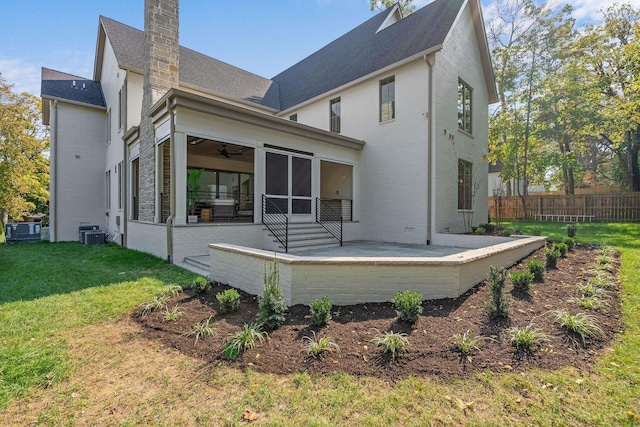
[48, 289]
[51, 290]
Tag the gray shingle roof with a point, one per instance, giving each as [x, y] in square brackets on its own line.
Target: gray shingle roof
[354, 55]
[195, 68]
[361, 51]
[59, 85]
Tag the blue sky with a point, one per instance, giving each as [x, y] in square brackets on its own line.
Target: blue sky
[261, 36]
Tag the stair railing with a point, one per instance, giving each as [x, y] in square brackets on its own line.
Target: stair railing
[276, 221]
[329, 219]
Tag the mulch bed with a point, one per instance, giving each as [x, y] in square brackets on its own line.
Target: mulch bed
[432, 351]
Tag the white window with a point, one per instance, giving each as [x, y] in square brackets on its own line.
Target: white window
[334, 115]
[108, 190]
[464, 106]
[465, 186]
[388, 99]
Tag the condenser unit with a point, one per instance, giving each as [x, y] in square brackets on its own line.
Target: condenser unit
[22, 232]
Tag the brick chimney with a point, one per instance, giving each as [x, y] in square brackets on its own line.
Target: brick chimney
[161, 73]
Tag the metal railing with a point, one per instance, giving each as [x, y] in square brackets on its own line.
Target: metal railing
[276, 221]
[329, 219]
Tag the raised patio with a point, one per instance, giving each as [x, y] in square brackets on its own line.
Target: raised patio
[372, 271]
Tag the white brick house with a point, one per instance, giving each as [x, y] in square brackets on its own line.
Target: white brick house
[387, 126]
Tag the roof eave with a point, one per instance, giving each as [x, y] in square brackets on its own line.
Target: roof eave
[70, 101]
[485, 54]
[180, 98]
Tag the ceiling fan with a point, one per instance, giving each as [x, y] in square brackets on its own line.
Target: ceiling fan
[227, 154]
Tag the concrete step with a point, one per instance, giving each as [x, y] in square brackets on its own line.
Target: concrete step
[198, 264]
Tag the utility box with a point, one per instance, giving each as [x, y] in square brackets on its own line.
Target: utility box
[83, 229]
[94, 237]
[22, 232]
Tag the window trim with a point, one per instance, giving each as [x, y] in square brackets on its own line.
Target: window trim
[465, 117]
[391, 99]
[335, 115]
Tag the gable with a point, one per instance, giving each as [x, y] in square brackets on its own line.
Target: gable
[365, 50]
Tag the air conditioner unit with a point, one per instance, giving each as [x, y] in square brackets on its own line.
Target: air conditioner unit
[22, 232]
[83, 229]
[94, 237]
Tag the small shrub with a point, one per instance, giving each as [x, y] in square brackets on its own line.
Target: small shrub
[317, 346]
[202, 329]
[480, 230]
[525, 338]
[489, 227]
[392, 343]
[321, 311]
[466, 343]
[536, 268]
[271, 306]
[243, 340]
[571, 230]
[584, 325]
[499, 303]
[170, 291]
[570, 242]
[200, 285]
[561, 248]
[522, 280]
[156, 303]
[506, 232]
[590, 290]
[408, 305]
[588, 302]
[229, 300]
[536, 231]
[602, 280]
[172, 314]
[551, 256]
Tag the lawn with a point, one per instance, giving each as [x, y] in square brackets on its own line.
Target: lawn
[69, 355]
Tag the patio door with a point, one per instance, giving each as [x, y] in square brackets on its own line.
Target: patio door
[288, 185]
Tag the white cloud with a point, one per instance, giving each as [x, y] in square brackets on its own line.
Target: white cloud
[24, 76]
[590, 9]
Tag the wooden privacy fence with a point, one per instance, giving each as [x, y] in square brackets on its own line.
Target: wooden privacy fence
[616, 207]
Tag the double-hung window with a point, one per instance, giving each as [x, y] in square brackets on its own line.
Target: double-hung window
[388, 99]
[334, 115]
[464, 106]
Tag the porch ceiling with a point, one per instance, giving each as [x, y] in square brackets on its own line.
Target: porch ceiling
[221, 150]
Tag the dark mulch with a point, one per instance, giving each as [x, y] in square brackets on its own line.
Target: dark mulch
[432, 352]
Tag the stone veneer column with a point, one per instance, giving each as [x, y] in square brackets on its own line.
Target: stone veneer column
[161, 59]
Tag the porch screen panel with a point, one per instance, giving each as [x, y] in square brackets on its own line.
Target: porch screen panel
[277, 174]
[301, 177]
[300, 185]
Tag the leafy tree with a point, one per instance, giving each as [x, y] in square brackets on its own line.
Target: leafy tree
[611, 53]
[24, 169]
[405, 5]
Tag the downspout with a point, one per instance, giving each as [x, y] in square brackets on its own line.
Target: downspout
[125, 185]
[172, 178]
[53, 214]
[430, 60]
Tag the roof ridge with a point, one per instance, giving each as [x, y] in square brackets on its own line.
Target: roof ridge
[73, 76]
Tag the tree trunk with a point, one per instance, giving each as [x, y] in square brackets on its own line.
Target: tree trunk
[632, 140]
